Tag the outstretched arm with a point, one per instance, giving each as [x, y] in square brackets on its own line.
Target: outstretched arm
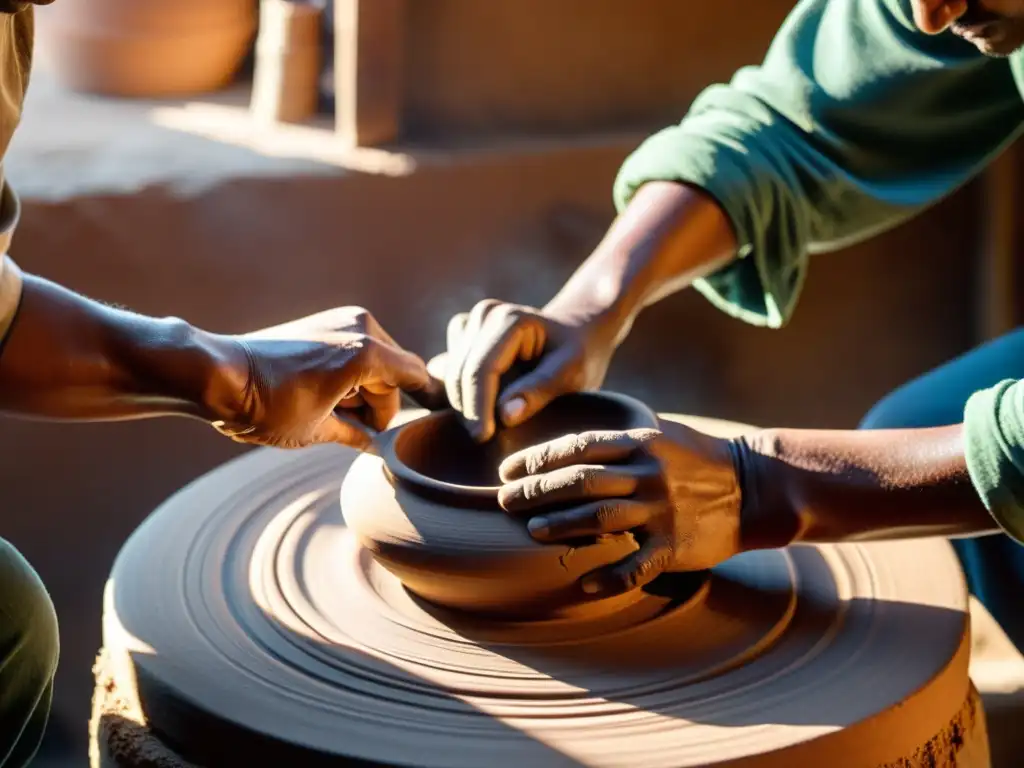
[854, 121]
[69, 357]
[808, 485]
[834, 486]
[332, 377]
[693, 500]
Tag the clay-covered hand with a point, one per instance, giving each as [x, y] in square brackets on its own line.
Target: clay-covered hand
[560, 354]
[676, 491]
[333, 377]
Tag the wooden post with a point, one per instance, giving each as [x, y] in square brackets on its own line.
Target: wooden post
[996, 300]
[368, 41]
[287, 70]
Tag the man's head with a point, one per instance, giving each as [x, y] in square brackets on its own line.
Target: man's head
[996, 27]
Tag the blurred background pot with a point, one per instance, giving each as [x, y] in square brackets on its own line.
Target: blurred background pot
[145, 48]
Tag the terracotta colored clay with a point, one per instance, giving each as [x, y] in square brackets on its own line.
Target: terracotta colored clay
[122, 737]
[120, 734]
[428, 510]
[251, 628]
[286, 80]
[146, 48]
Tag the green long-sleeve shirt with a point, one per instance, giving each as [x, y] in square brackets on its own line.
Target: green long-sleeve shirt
[854, 122]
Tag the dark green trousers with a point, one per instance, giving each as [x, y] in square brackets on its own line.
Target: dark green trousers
[29, 648]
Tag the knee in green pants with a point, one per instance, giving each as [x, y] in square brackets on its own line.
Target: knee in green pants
[29, 648]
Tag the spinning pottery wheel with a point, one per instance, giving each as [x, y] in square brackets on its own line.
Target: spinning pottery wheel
[246, 624]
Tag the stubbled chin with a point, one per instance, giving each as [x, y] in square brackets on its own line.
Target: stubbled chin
[997, 48]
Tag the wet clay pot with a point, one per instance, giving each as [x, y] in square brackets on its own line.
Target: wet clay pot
[146, 48]
[427, 509]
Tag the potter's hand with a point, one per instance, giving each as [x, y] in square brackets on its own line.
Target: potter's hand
[675, 490]
[328, 378]
[564, 353]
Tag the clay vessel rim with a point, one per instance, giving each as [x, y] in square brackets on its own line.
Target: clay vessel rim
[400, 473]
[479, 492]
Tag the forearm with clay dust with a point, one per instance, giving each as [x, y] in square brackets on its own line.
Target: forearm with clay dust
[68, 357]
[857, 485]
[669, 235]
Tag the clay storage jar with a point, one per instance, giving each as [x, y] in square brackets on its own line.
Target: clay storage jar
[428, 511]
[146, 48]
[245, 624]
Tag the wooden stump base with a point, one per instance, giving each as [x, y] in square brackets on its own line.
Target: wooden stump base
[119, 735]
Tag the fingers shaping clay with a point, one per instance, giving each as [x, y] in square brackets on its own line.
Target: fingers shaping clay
[246, 624]
[428, 511]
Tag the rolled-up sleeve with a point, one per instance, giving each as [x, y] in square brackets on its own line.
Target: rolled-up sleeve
[994, 448]
[853, 122]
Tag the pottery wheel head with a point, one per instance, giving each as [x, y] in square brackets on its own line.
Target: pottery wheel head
[255, 629]
[427, 509]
